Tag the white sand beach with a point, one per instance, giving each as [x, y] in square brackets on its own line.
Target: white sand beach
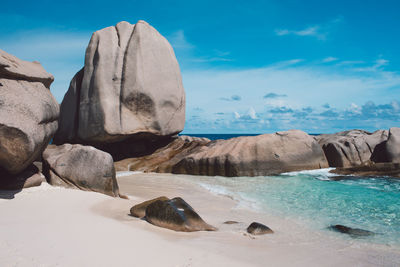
[51, 226]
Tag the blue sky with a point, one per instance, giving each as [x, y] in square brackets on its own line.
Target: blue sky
[247, 66]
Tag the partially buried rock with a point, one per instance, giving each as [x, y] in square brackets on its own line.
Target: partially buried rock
[256, 228]
[29, 177]
[28, 112]
[353, 232]
[82, 167]
[231, 222]
[139, 210]
[177, 215]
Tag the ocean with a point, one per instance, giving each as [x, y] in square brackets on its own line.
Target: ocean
[317, 199]
[224, 136]
[314, 198]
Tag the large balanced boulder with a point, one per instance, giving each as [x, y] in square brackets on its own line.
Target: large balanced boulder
[255, 155]
[81, 167]
[353, 148]
[130, 85]
[176, 214]
[28, 112]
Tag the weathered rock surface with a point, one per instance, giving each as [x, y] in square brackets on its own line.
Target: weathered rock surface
[254, 155]
[370, 169]
[352, 148]
[82, 167]
[353, 232]
[256, 228]
[393, 145]
[29, 177]
[139, 210]
[28, 112]
[130, 84]
[164, 158]
[177, 215]
[14, 68]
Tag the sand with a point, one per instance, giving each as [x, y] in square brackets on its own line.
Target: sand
[50, 226]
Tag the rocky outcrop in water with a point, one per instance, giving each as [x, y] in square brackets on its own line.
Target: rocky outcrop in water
[353, 232]
[130, 86]
[265, 154]
[28, 112]
[177, 215]
[351, 148]
[81, 167]
[371, 169]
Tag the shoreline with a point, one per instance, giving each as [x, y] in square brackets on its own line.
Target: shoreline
[66, 227]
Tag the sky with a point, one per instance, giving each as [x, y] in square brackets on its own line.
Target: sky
[247, 66]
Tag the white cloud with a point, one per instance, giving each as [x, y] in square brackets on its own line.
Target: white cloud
[305, 85]
[318, 31]
[329, 59]
[378, 64]
[236, 114]
[178, 40]
[252, 113]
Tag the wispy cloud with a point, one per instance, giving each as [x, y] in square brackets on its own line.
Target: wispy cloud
[319, 31]
[232, 98]
[329, 59]
[186, 50]
[378, 64]
[178, 40]
[274, 95]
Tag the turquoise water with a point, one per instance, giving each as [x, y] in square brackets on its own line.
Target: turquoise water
[314, 198]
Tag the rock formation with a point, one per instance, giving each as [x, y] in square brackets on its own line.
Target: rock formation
[176, 214]
[28, 112]
[139, 210]
[372, 169]
[82, 167]
[353, 232]
[392, 145]
[254, 155]
[164, 158]
[256, 228]
[130, 86]
[29, 177]
[352, 148]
